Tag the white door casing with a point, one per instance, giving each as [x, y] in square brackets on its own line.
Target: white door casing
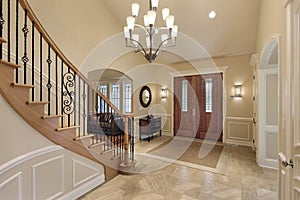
[267, 85]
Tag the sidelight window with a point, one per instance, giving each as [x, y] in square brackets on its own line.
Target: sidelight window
[127, 98]
[101, 104]
[115, 94]
[184, 98]
[208, 95]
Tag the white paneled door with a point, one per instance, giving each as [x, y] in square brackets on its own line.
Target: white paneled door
[289, 169]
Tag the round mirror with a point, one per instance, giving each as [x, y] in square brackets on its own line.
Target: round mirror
[145, 96]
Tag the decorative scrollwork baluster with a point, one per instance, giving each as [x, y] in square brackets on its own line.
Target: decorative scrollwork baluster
[68, 93]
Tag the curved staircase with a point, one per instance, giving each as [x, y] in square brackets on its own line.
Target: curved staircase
[51, 95]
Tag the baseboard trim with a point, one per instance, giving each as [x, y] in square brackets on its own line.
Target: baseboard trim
[238, 142]
[83, 189]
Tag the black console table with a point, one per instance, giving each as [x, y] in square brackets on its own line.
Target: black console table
[148, 127]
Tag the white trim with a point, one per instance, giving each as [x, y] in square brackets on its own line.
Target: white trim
[19, 176]
[238, 142]
[205, 70]
[61, 158]
[25, 157]
[239, 138]
[81, 190]
[75, 184]
[240, 118]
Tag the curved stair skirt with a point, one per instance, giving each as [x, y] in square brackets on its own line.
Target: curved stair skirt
[17, 95]
[35, 166]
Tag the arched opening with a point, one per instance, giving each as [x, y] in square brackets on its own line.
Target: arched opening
[268, 105]
[115, 85]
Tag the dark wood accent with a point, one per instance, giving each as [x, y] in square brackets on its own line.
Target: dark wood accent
[196, 122]
[148, 127]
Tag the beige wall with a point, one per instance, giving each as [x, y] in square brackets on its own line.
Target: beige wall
[76, 26]
[30, 162]
[272, 24]
[272, 21]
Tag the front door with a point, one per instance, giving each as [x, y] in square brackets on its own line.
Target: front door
[198, 106]
[184, 109]
[289, 178]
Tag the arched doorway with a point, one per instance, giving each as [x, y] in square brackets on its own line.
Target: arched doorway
[267, 126]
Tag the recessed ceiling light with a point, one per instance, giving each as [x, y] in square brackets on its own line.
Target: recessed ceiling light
[212, 14]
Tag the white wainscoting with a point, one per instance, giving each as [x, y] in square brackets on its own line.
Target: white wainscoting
[47, 173]
[238, 130]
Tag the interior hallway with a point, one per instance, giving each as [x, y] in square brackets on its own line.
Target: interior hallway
[243, 179]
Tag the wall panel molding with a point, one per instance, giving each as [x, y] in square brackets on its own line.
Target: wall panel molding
[79, 182]
[61, 176]
[238, 130]
[28, 156]
[18, 178]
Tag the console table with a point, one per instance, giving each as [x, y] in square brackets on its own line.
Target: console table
[148, 127]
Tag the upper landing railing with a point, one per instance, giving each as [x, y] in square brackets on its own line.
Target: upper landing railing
[66, 92]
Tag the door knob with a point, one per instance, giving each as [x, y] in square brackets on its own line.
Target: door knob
[284, 162]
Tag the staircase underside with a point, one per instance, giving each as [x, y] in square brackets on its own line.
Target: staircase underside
[33, 113]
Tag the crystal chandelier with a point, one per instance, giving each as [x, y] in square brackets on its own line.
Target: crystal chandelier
[148, 39]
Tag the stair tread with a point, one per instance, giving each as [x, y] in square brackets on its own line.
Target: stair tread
[51, 116]
[83, 137]
[97, 144]
[67, 128]
[22, 85]
[36, 102]
[10, 64]
[2, 40]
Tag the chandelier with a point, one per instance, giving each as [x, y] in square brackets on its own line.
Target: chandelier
[148, 39]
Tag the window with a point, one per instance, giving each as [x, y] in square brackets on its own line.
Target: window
[184, 96]
[208, 95]
[127, 98]
[103, 89]
[115, 94]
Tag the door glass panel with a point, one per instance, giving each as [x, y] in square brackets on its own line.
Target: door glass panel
[272, 99]
[184, 96]
[208, 95]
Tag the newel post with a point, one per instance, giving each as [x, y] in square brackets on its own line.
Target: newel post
[126, 141]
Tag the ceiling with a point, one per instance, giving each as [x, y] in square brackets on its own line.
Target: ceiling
[233, 31]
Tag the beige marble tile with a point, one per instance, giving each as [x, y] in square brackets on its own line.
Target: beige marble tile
[241, 179]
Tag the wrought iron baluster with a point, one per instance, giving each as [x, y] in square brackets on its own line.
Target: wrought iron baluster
[84, 108]
[8, 30]
[32, 61]
[17, 40]
[75, 97]
[62, 94]
[49, 85]
[68, 94]
[1, 26]
[41, 67]
[79, 106]
[132, 138]
[56, 84]
[100, 111]
[25, 57]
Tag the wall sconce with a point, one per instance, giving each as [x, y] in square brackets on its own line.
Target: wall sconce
[164, 93]
[237, 91]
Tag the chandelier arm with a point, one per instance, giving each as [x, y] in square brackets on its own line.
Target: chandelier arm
[158, 48]
[144, 51]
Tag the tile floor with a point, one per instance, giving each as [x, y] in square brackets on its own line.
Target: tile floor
[241, 178]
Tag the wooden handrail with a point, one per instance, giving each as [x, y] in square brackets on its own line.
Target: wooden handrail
[25, 5]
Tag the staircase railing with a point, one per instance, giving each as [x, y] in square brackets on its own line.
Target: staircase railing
[66, 92]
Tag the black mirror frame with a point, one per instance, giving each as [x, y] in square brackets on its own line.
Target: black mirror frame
[145, 104]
